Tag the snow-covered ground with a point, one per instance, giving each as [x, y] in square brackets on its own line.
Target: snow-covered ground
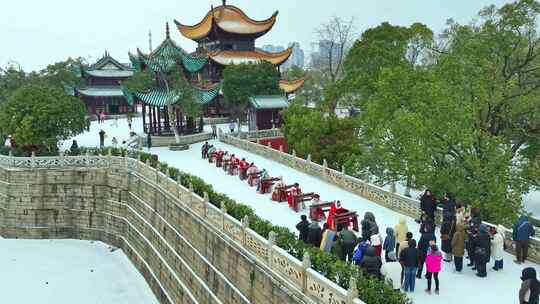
[68, 271]
[464, 288]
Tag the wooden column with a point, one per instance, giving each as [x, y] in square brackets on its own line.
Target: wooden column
[177, 119]
[159, 120]
[154, 117]
[144, 118]
[201, 124]
[167, 128]
[181, 118]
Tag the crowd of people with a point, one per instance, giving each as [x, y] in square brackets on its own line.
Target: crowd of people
[463, 235]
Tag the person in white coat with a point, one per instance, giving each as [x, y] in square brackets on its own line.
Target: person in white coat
[497, 247]
[391, 271]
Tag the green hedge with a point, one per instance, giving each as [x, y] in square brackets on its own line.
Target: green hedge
[372, 291]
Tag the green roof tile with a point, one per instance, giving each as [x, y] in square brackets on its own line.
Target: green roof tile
[269, 102]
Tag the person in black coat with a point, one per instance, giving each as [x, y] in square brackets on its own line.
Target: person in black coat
[481, 244]
[447, 232]
[367, 225]
[303, 228]
[409, 257]
[428, 236]
[449, 206]
[530, 287]
[428, 204]
[371, 263]
[314, 235]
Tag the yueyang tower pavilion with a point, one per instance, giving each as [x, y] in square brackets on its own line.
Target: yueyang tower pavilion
[225, 36]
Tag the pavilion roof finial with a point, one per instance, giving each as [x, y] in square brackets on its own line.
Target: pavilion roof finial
[167, 31]
[150, 40]
[224, 2]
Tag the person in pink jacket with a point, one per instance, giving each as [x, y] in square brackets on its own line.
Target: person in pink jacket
[433, 267]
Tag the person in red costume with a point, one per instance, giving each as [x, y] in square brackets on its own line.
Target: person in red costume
[243, 165]
[295, 190]
[234, 165]
[335, 209]
[251, 175]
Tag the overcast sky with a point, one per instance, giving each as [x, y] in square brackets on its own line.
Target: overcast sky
[35, 33]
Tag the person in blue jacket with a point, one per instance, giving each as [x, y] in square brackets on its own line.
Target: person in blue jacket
[522, 232]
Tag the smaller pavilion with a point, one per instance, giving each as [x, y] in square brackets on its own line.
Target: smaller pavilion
[264, 112]
[101, 91]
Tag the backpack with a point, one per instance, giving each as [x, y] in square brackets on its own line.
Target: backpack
[358, 254]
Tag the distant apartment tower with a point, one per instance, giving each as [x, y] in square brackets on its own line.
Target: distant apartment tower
[297, 56]
[273, 48]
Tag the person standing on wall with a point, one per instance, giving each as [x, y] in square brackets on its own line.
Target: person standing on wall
[522, 233]
[214, 131]
[428, 204]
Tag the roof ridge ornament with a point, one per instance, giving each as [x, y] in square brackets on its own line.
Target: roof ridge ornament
[224, 2]
[167, 31]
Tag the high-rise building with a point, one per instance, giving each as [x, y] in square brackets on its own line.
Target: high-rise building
[273, 48]
[297, 57]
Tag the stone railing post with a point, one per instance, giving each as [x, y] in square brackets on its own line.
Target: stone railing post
[271, 243]
[308, 159]
[109, 157]
[33, 160]
[258, 141]
[190, 194]
[281, 148]
[223, 213]
[148, 163]
[343, 169]
[87, 158]
[306, 264]
[294, 153]
[393, 187]
[157, 173]
[10, 153]
[352, 292]
[245, 226]
[269, 145]
[178, 189]
[206, 204]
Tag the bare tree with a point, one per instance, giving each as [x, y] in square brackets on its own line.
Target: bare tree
[335, 39]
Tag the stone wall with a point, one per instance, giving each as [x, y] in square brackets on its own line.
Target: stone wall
[188, 250]
[394, 201]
